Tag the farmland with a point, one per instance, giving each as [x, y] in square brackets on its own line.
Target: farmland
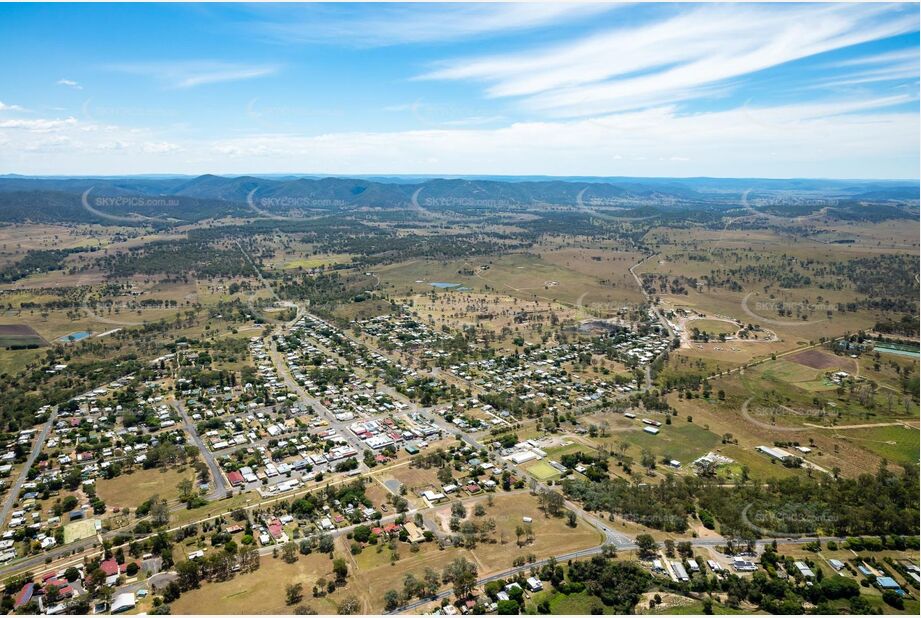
[418, 394]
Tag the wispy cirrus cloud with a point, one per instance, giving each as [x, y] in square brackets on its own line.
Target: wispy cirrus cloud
[676, 58]
[9, 107]
[69, 83]
[189, 74]
[394, 24]
[900, 64]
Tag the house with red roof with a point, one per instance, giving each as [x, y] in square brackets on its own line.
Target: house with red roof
[25, 595]
[112, 569]
[65, 590]
[277, 531]
[235, 478]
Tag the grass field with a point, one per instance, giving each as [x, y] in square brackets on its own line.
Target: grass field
[552, 535]
[542, 471]
[713, 327]
[262, 592]
[130, 490]
[899, 444]
[316, 261]
[681, 440]
[578, 604]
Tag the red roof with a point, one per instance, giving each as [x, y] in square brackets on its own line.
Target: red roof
[110, 567]
[235, 478]
[275, 529]
[25, 595]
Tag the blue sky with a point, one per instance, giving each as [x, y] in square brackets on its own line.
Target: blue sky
[804, 90]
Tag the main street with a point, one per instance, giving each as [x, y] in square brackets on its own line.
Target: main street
[37, 447]
[341, 427]
[221, 486]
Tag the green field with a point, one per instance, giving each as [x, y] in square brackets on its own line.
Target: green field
[898, 444]
[577, 604]
[542, 471]
[682, 441]
[713, 327]
[786, 371]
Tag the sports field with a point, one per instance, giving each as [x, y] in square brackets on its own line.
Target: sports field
[77, 530]
[542, 471]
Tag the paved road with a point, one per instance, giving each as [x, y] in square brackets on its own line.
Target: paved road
[610, 535]
[341, 427]
[221, 486]
[16, 487]
[648, 298]
[576, 555]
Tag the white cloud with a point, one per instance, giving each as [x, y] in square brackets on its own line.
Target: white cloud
[38, 124]
[7, 107]
[381, 25]
[674, 59]
[70, 84]
[814, 140]
[188, 74]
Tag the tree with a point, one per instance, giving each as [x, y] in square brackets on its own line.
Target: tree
[289, 554]
[349, 605]
[305, 610]
[341, 569]
[571, 519]
[362, 534]
[462, 573]
[294, 593]
[189, 574]
[185, 488]
[411, 586]
[325, 544]
[893, 598]
[430, 581]
[391, 600]
[507, 608]
[551, 502]
[647, 545]
[159, 512]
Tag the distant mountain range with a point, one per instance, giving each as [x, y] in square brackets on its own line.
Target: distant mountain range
[194, 198]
